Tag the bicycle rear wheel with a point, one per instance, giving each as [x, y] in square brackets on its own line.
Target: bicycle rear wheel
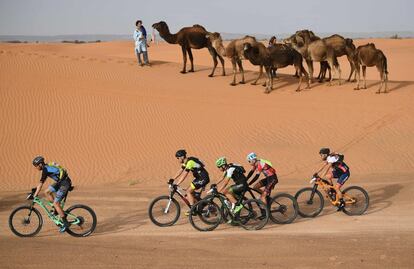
[254, 214]
[24, 223]
[310, 202]
[82, 220]
[283, 208]
[356, 201]
[164, 211]
[205, 215]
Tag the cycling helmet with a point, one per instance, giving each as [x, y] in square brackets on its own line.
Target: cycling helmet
[38, 160]
[251, 156]
[181, 153]
[325, 151]
[221, 161]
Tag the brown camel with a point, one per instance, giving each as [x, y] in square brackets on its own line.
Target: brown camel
[189, 38]
[369, 55]
[314, 50]
[233, 51]
[275, 57]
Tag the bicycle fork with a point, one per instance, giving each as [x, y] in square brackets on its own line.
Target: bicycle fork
[310, 201]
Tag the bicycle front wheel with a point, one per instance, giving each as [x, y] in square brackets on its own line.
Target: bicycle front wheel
[164, 211]
[254, 215]
[356, 200]
[310, 202]
[205, 215]
[82, 220]
[283, 208]
[25, 221]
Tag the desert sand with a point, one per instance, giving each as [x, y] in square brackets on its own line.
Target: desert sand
[116, 126]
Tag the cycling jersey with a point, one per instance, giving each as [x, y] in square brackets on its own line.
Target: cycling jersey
[236, 173]
[265, 167]
[201, 177]
[54, 171]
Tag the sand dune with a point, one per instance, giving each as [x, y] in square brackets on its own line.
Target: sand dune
[91, 108]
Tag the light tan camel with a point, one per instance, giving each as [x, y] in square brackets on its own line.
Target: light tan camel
[233, 51]
[369, 55]
[314, 50]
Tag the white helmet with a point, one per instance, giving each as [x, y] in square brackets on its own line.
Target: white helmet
[251, 156]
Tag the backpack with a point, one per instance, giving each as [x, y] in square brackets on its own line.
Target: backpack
[238, 168]
[62, 171]
[197, 161]
[238, 174]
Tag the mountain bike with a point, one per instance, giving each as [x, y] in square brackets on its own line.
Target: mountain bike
[253, 215]
[26, 220]
[311, 200]
[165, 210]
[283, 207]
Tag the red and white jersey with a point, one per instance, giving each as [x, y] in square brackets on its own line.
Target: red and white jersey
[265, 167]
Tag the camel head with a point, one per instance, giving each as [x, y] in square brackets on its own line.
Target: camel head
[217, 42]
[161, 26]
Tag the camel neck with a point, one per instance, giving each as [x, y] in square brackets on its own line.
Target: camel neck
[167, 36]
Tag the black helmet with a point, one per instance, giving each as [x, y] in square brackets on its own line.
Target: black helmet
[325, 151]
[181, 153]
[38, 160]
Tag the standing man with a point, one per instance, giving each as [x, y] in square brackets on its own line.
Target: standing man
[140, 37]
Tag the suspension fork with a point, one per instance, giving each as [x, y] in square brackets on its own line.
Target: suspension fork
[315, 187]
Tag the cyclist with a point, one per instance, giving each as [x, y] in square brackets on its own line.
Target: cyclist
[58, 190]
[236, 173]
[194, 165]
[267, 184]
[336, 169]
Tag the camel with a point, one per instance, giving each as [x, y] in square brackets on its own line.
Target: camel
[341, 46]
[369, 55]
[189, 38]
[275, 57]
[233, 51]
[314, 50]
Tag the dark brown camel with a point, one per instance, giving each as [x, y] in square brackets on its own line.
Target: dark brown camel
[233, 51]
[275, 57]
[189, 38]
[369, 55]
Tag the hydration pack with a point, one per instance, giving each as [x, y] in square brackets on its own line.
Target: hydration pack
[197, 161]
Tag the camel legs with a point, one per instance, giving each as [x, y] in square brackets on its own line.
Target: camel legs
[269, 80]
[260, 75]
[352, 64]
[384, 79]
[184, 50]
[310, 69]
[233, 63]
[301, 71]
[357, 75]
[222, 64]
[364, 73]
[190, 55]
[213, 54]
[241, 70]
[333, 62]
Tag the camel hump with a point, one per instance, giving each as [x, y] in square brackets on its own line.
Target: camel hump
[199, 26]
[371, 45]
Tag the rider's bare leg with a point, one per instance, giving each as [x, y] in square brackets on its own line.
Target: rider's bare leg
[190, 196]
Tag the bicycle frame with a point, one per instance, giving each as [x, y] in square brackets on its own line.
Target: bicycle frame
[326, 187]
[175, 189]
[43, 203]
